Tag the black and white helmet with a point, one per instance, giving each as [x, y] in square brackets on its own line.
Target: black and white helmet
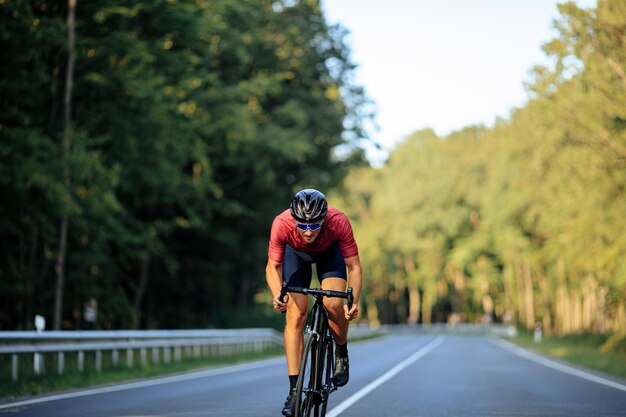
[309, 206]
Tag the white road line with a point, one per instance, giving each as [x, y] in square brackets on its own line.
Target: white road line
[147, 383]
[385, 377]
[559, 366]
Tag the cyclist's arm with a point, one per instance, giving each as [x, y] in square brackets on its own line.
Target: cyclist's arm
[355, 280]
[273, 276]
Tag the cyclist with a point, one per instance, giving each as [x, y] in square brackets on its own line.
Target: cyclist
[312, 232]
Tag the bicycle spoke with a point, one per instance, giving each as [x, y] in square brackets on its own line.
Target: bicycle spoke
[306, 383]
[327, 370]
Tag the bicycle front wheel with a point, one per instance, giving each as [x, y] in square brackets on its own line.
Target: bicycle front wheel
[306, 387]
[327, 374]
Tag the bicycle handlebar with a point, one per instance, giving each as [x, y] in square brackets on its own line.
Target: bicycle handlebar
[318, 292]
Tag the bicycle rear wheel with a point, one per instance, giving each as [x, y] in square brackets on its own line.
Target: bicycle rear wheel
[306, 386]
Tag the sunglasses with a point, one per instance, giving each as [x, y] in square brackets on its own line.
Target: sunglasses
[314, 227]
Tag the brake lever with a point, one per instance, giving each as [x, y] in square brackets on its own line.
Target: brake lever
[281, 296]
[350, 298]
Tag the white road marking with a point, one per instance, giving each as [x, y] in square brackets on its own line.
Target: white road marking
[147, 383]
[559, 366]
[385, 377]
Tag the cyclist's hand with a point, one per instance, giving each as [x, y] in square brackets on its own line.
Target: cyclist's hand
[280, 306]
[353, 313]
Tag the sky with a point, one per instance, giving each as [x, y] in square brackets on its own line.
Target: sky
[443, 64]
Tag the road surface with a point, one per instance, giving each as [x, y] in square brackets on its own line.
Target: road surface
[398, 375]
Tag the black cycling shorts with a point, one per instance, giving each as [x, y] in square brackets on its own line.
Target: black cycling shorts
[297, 271]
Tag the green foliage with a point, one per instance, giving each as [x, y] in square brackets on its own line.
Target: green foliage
[522, 221]
[193, 124]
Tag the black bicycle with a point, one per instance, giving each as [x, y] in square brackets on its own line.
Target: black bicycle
[315, 381]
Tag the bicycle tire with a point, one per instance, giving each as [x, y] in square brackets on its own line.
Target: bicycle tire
[306, 380]
[327, 374]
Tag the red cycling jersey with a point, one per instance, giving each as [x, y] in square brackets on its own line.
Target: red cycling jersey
[336, 229]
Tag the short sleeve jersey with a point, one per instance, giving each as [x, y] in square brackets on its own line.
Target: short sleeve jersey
[336, 229]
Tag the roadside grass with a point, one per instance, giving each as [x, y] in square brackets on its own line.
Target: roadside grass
[579, 349]
[30, 383]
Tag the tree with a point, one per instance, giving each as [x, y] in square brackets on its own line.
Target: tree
[191, 126]
[520, 221]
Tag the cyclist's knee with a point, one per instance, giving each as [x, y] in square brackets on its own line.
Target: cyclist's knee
[296, 317]
[334, 306]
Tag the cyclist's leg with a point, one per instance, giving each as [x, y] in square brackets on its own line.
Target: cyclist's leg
[296, 272]
[294, 327]
[336, 316]
[332, 273]
[331, 270]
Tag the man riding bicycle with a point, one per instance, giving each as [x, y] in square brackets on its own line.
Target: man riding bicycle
[312, 232]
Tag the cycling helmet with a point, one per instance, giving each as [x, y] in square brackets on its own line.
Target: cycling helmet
[309, 206]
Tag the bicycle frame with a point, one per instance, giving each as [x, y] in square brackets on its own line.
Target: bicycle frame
[319, 345]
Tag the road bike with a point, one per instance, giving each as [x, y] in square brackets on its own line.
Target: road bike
[315, 381]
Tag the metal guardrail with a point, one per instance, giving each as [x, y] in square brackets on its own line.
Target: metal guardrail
[170, 344]
[176, 344]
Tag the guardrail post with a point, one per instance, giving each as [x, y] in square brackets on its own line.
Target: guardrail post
[81, 361]
[178, 354]
[143, 353]
[98, 361]
[38, 363]
[129, 358]
[155, 355]
[14, 366]
[167, 354]
[115, 357]
[60, 362]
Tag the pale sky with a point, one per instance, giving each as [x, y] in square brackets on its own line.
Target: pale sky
[443, 64]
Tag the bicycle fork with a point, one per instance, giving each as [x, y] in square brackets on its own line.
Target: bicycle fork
[327, 385]
[322, 386]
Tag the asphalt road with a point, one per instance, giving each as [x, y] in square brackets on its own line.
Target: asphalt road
[399, 376]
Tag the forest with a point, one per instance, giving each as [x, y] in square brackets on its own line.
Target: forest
[145, 148]
[522, 222]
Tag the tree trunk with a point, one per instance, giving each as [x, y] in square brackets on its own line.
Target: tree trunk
[413, 288]
[509, 293]
[458, 298]
[414, 304]
[242, 295]
[398, 301]
[144, 274]
[590, 304]
[543, 300]
[372, 312]
[32, 274]
[602, 310]
[428, 300]
[519, 281]
[561, 321]
[529, 299]
[67, 141]
[619, 321]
